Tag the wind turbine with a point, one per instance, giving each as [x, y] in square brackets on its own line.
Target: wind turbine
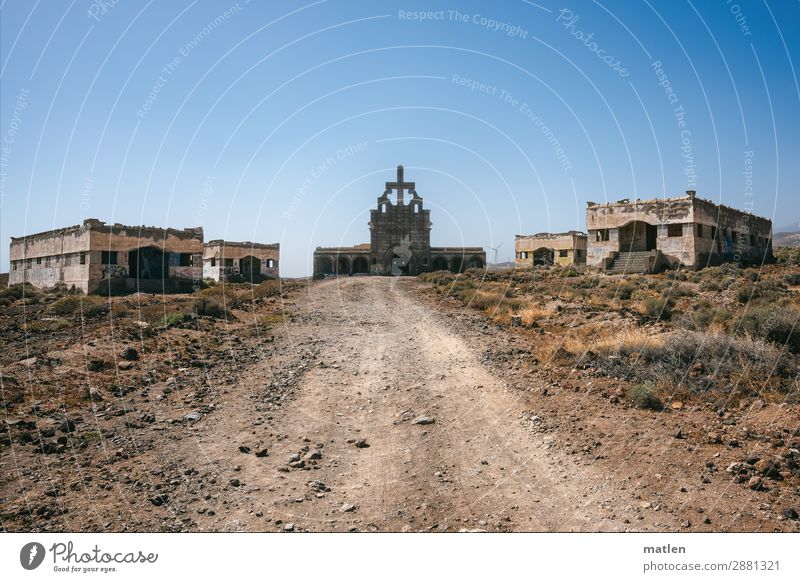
[495, 249]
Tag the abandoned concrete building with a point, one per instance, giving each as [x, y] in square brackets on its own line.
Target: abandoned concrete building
[545, 248]
[233, 261]
[399, 242]
[687, 231]
[99, 257]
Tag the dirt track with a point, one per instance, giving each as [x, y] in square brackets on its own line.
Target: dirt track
[253, 423]
[380, 360]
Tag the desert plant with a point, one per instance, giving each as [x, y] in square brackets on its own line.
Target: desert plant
[208, 307]
[658, 307]
[645, 396]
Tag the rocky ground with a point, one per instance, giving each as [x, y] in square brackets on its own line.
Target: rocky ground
[361, 404]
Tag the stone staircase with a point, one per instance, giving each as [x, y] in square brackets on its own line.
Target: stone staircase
[631, 262]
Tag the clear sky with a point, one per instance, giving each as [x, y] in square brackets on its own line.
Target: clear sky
[280, 121]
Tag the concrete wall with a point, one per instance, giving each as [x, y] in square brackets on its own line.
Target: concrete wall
[706, 231]
[573, 243]
[268, 256]
[51, 258]
[74, 255]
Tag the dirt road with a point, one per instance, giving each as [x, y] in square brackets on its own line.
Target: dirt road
[447, 445]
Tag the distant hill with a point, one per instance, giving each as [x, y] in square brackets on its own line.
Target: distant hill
[786, 239]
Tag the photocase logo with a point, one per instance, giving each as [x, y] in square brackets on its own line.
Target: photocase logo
[31, 555]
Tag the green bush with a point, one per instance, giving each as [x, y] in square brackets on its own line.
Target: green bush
[14, 292]
[780, 325]
[645, 396]
[625, 291]
[659, 307]
[209, 307]
[174, 319]
[70, 304]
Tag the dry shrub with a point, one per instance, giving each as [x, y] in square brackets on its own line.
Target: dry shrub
[532, 313]
[268, 288]
[711, 356]
[69, 304]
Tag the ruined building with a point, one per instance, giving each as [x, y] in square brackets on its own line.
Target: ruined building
[648, 235]
[545, 248]
[95, 256]
[400, 235]
[246, 261]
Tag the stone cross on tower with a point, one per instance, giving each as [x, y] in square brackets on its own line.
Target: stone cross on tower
[400, 186]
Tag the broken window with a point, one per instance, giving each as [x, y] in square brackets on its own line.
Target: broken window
[38, 260]
[270, 264]
[563, 253]
[213, 262]
[734, 236]
[674, 230]
[227, 262]
[108, 257]
[752, 240]
[601, 234]
[185, 260]
[82, 258]
[700, 230]
[713, 232]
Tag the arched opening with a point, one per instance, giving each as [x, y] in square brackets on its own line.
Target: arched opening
[637, 236]
[360, 266]
[456, 265]
[439, 264]
[343, 266]
[250, 268]
[475, 263]
[148, 263]
[543, 256]
[324, 266]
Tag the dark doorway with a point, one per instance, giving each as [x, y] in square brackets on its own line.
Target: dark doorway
[360, 266]
[456, 265]
[324, 266]
[543, 257]
[250, 268]
[148, 263]
[475, 263]
[343, 266]
[439, 264]
[637, 236]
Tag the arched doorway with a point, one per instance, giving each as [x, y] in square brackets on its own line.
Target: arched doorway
[343, 266]
[324, 266]
[439, 264]
[250, 268]
[475, 263]
[456, 265]
[148, 263]
[543, 256]
[360, 266]
[637, 236]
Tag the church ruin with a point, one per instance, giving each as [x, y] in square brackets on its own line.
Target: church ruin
[400, 235]
[649, 235]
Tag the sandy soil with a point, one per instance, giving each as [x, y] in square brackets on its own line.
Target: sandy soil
[375, 406]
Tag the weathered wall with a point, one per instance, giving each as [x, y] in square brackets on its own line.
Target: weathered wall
[268, 256]
[51, 258]
[710, 233]
[406, 226]
[73, 255]
[574, 243]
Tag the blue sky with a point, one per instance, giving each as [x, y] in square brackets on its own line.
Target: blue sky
[281, 121]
